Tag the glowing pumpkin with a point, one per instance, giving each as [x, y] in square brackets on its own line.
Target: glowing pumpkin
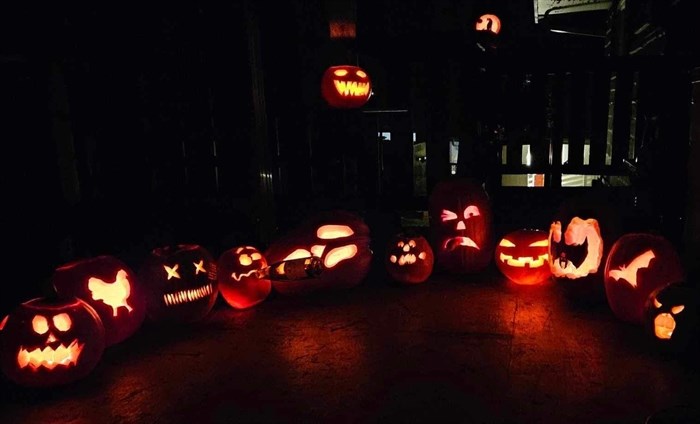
[346, 86]
[671, 317]
[50, 342]
[522, 256]
[637, 265]
[341, 239]
[180, 282]
[489, 23]
[110, 287]
[409, 259]
[239, 284]
[461, 226]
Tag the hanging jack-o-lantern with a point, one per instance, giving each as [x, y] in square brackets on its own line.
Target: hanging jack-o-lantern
[409, 258]
[671, 317]
[522, 256]
[110, 287]
[489, 23]
[461, 226]
[239, 284]
[341, 239]
[346, 86]
[49, 342]
[180, 282]
[637, 265]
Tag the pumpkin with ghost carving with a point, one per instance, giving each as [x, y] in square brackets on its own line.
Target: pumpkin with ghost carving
[180, 283]
[637, 265]
[671, 317]
[522, 256]
[239, 284]
[108, 285]
[461, 226]
[346, 86]
[409, 258]
[340, 238]
[50, 342]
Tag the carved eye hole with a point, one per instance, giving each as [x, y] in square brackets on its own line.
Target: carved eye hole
[340, 72]
[361, 74]
[677, 309]
[62, 322]
[327, 232]
[172, 271]
[256, 256]
[657, 304]
[400, 244]
[40, 324]
[506, 243]
[448, 215]
[199, 267]
[3, 322]
[471, 211]
[245, 260]
[412, 243]
[541, 243]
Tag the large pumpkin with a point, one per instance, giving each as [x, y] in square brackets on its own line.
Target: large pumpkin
[461, 226]
[110, 287]
[522, 256]
[409, 258]
[341, 239]
[180, 283]
[50, 342]
[637, 265]
[239, 284]
[671, 317]
[346, 86]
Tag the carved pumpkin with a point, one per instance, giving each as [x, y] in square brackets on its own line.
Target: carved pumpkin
[239, 284]
[522, 256]
[110, 287]
[346, 86]
[50, 342]
[180, 282]
[461, 226]
[489, 23]
[671, 316]
[637, 265]
[340, 238]
[409, 259]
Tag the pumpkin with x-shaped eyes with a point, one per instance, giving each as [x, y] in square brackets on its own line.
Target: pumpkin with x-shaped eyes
[180, 283]
[51, 341]
[522, 256]
[461, 224]
[409, 259]
[239, 284]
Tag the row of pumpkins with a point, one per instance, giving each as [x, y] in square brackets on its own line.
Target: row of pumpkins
[100, 301]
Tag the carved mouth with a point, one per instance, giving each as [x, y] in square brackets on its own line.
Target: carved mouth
[238, 277]
[664, 324]
[455, 242]
[186, 296]
[527, 261]
[406, 259]
[50, 358]
[352, 88]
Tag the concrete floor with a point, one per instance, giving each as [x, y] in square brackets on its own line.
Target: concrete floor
[452, 349]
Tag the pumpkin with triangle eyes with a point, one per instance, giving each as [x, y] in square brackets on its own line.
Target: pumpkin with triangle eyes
[110, 287]
[522, 256]
[637, 265]
[239, 284]
[671, 317]
[180, 282]
[461, 226]
[346, 86]
[340, 238]
[409, 258]
[50, 342]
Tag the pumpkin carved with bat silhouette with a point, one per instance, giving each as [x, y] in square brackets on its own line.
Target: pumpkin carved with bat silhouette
[50, 342]
[110, 287]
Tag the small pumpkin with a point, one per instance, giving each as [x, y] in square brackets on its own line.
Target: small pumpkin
[671, 317]
[522, 256]
[488, 23]
[108, 285]
[239, 284]
[346, 86]
[51, 341]
[409, 258]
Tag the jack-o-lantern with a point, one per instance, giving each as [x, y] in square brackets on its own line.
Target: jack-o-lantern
[51, 341]
[671, 316]
[341, 239]
[346, 86]
[409, 258]
[637, 265]
[110, 287]
[239, 284]
[461, 226]
[180, 282]
[489, 23]
[522, 256]
[576, 250]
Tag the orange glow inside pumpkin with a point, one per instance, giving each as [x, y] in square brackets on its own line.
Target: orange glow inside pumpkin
[351, 88]
[50, 357]
[334, 256]
[578, 233]
[488, 22]
[629, 272]
[3, 322]
[664, 323]
[448, 215]
[113, 294]
[521, 262]
[172, 271]
[328, 232]
[190, 295]
[407, 258]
